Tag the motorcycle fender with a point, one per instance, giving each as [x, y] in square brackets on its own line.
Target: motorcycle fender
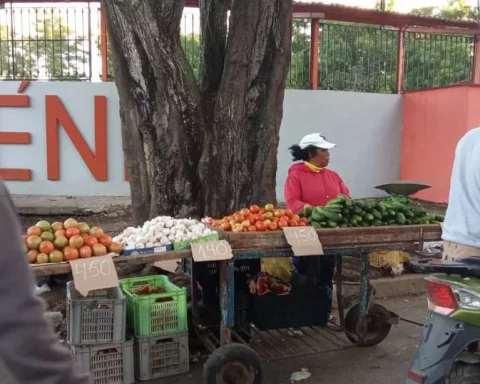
[443, 341]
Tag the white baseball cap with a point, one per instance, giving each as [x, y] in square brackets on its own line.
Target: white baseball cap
[317, 140]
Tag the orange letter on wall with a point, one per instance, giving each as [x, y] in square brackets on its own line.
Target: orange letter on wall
[56, 114]
[15, 174]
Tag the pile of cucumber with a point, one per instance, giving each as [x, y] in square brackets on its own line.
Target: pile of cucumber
[343, 212]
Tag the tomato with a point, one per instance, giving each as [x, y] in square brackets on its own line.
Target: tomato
[96, 232]
[85, 252]
[72, 232]
[259, 217]
[278, 213]
[34, 231]
[226, 226]
[262, 211]
[237, 228]
[261, 226]
[293, 223]
[252, 228]
[285, 218]
[116, 248]
[105, 240]
[76, 241]
[70, 253]
[91, 241]
[267, 222]
[232, 223]
[276, 219]
[254, 209]
[294, 217]
[272, 226]
[46, 247]
[304, 220]
[238, 218]
[251, 218]
[302, 224]
[288, 213]
[282, 223]
[246, 223]
[70, 223]
[209, 220]
[57, 226]
[269, 215]
[244, 212]
[269, 207]
[99, 250]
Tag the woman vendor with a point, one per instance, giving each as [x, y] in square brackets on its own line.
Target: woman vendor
[310, 182]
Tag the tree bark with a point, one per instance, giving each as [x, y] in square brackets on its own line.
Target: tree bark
[162, 123]
[200, 150]
[239, 163]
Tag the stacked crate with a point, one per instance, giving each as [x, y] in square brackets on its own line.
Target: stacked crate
[159, 323]
[96, 334]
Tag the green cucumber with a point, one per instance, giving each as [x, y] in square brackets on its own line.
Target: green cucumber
[400, 218]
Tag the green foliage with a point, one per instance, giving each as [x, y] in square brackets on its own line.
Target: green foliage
[51, 41]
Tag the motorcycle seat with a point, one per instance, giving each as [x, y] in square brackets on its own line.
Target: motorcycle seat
[473, 261]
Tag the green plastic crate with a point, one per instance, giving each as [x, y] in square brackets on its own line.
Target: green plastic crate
[148, 317]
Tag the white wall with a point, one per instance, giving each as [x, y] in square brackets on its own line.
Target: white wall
[367, 128]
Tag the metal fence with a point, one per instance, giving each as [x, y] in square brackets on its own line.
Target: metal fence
[63, 43]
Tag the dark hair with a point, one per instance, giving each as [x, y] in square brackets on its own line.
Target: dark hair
[302, 154]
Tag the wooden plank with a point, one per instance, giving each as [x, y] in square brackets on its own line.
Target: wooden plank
[338, 236]
[351, 238]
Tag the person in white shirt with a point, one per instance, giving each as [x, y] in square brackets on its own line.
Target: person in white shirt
[461, 228]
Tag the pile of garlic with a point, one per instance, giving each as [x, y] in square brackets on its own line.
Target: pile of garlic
[161, 231]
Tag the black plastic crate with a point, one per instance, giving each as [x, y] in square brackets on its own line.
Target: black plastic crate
[300, 308]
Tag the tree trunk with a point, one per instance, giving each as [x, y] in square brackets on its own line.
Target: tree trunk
[162, 124]
[208, 150]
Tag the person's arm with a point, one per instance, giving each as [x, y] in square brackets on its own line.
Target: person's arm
[28, 345]
[293, 193]
[344, 189]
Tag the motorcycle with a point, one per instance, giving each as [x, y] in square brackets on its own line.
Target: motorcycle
[449, 352]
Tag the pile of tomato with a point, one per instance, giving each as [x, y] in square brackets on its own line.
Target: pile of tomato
[256, 219]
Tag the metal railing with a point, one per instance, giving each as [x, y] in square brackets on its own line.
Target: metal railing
[63, 43]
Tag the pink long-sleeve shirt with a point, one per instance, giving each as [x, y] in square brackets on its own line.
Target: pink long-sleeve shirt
[305, 186]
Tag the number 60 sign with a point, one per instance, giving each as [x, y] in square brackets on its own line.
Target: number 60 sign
[94, 273]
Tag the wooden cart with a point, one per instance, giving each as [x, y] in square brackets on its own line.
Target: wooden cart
[233, 359]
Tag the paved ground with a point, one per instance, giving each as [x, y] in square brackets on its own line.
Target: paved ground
[373, 365]
[356, 365]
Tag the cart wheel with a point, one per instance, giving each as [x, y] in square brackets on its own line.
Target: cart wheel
[377, 325]
[233, 364]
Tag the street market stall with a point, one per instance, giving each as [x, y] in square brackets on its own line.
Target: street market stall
[233, 354]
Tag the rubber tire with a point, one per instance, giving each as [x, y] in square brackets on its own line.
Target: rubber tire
[229, 353]
[463, 373]
[352, 318]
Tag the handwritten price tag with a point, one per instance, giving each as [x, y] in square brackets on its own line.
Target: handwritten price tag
[94, 273]
[303, 240]
[211, 251]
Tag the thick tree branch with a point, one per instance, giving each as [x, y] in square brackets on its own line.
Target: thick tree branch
[164, 95]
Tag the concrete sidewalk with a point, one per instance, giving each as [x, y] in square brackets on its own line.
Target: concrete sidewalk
[43, 205]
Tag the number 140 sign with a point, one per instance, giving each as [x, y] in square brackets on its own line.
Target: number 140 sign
[303, 240]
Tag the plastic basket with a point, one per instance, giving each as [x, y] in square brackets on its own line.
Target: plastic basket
[161, 356]
[108, 364]
[302, 308]
[98, 318]
[152, 315]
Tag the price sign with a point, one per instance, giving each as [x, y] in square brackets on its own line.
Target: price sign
[94, 273]
[303, 240]
[211, 251]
